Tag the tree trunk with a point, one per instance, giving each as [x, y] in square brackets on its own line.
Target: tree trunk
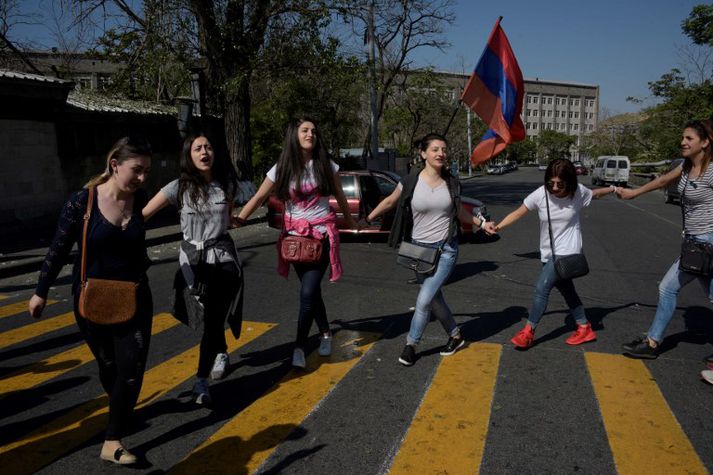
[237, 129]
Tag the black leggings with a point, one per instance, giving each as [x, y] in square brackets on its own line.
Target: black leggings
[311, 303]
[221, 284]
[121, 352]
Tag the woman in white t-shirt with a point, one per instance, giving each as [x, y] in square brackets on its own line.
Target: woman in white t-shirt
[304, 178]
[566, 199]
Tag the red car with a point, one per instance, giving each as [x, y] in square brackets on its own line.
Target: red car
[364, 190]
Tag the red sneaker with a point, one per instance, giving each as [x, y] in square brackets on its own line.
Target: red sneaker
[582, 334]
[524, 338]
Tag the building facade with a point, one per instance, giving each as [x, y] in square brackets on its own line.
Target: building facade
[569, 108]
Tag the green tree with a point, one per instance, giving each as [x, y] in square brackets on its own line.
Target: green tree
[552, 145]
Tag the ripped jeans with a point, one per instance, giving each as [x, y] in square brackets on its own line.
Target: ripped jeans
[121, 351]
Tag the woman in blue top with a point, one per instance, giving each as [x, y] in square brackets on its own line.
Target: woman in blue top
[116, 250]
[696, 189]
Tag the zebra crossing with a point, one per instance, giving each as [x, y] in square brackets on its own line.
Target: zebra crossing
[448, 432]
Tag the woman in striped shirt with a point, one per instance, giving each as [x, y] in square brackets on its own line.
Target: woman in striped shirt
[696, 189]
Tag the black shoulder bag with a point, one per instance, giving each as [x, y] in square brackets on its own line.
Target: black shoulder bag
[566, 267]
[696, 256]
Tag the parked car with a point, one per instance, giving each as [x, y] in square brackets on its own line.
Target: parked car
[580, 169]
[364, 190]
[496, 169]
[670, 193]
[611, 169]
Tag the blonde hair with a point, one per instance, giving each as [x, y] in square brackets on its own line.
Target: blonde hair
[123, 149]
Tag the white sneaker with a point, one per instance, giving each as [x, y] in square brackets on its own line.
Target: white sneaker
[707, 375]
[201, 393]
[298, 358]
[219, 366]
[325, 345]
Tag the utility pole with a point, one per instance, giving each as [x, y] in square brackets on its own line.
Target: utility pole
[374, 142]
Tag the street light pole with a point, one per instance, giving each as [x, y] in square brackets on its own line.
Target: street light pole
[372, 86]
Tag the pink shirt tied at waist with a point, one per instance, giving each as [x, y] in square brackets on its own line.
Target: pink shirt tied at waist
[302, 227]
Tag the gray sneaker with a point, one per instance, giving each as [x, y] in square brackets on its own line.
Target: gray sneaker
[201, 393]
[298, 358]
[325, 345]
[219, 366]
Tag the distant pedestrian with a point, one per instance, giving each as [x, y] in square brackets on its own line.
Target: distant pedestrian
[695, 186]
[427, 214]
[115, 250]
[303, 178]
[209, 283]
[565, 199]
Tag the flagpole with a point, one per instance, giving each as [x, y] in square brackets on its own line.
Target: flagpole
[470, 142]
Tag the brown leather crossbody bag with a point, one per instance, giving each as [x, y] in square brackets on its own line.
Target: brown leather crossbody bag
[104, 301]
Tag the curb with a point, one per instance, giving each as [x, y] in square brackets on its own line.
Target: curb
[33, 264]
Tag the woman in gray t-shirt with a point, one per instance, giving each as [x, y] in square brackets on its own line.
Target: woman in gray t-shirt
[209, 281]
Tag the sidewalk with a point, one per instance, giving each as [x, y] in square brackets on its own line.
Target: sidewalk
[30, 260]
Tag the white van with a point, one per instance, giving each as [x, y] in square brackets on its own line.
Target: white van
[610, 169]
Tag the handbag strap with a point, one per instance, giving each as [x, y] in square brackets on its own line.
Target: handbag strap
[87, 214]
[549, 225]
[683, 195]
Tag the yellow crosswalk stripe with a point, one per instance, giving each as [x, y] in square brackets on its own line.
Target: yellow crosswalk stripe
[644, 435]
[447, 434]
[32, 330]
[252, 435]
[79, 425]
[44, 370]
[19, 307]
[3, 297]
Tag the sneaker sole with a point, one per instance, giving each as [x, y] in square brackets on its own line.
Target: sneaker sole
[641, 357]
[405, 363]
[580, 342]
[449, 353]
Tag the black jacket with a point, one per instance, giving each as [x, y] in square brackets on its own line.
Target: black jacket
[403, 218]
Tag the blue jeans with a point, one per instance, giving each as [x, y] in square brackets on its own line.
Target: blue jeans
[547, 280]
[430, 298]
[672, 283]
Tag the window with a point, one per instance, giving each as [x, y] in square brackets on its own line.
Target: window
[591, 127]
[534, 99]
[611, 164]
[576, 126]
[348, 186]
[549, 100]
[534, 125]
[576, 115]
[570, 114]
[623, 165]
[386, 187]
[576, 102]
[534, 113]
[549, 113]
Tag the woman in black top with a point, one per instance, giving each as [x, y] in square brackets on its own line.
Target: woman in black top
[116, 249]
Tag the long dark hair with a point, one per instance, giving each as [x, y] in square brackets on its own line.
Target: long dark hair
[423, 145]
[290, 168]
[194, 183]
[124, 148]
[704, 130]
[563, 169]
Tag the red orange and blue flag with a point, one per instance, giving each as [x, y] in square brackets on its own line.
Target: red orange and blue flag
[495, 91]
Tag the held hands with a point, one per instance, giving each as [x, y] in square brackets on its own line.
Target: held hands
[36, 306]
[624, 193]
[490, 228]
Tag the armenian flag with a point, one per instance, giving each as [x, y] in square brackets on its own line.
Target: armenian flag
[495, 91]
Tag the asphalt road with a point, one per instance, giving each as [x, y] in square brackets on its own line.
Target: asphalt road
[551, 409]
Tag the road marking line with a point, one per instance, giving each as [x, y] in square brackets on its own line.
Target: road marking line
[448, 432]
[251, 436]
[44, 370]
[3, 297]
[32, 330]
[84, 422]
[643, 433]
[19, 307]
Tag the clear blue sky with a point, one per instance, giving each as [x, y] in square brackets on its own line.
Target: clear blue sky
[619, 45]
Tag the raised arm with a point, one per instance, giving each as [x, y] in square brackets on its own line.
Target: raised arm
[157, 203]
[655, 184]
[386, 204]
[255, 202]
[511, 218]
